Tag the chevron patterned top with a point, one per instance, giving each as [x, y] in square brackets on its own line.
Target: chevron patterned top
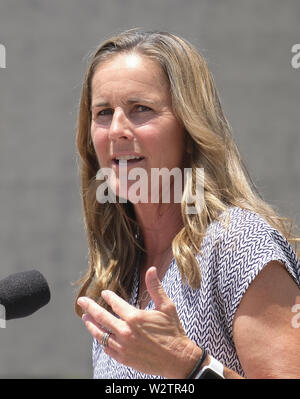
[231, 257]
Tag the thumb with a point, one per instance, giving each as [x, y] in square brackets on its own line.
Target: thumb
[155, 289]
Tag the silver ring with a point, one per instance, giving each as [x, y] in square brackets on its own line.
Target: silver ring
[104, 340]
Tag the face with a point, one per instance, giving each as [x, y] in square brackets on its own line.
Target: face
[132, 116]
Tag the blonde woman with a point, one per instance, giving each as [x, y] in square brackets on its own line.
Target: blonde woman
[172, 293]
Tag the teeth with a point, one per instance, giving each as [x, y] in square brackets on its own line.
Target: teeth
[127, 157]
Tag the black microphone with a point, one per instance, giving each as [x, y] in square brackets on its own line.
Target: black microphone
[23, 293]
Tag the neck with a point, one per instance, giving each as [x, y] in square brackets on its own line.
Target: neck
[159, 224]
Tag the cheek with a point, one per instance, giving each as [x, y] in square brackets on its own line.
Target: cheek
[100, 143]
[172, 144]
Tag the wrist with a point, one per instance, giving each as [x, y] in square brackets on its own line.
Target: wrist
[189, 357]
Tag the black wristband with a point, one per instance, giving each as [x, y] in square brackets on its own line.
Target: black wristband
[198, 365]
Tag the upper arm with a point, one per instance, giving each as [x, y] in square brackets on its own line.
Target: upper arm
[266, 339]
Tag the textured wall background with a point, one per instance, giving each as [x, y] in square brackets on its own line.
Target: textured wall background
[248, 47]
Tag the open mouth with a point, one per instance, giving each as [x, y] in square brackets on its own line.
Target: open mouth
[127, 159]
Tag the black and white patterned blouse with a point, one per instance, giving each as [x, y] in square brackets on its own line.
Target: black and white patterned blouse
[229, 261]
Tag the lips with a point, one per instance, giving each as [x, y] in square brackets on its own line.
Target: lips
[127, 159]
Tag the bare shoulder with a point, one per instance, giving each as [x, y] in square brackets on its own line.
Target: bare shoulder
[266, 339]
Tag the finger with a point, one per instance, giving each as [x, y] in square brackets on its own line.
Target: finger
[99, 314]
[98, 332]
[118, 305]
[156, 289]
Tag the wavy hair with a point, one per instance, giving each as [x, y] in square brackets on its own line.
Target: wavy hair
[115, 242]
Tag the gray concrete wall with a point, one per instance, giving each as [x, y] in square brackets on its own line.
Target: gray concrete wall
[248, 47]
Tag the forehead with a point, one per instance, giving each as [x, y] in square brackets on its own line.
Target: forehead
[129, 69]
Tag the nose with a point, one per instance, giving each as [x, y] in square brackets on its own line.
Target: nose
[120, 126]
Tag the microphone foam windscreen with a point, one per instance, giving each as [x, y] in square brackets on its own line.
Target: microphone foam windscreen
[23, 293]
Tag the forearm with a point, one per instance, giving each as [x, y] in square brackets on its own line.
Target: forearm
[190, 357]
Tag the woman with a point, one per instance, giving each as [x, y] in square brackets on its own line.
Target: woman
[172, 293]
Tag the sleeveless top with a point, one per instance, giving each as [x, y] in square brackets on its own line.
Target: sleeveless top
[230, 258]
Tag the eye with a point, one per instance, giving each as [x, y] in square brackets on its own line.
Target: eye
[142, 108]
[103, 116]
[105, 112]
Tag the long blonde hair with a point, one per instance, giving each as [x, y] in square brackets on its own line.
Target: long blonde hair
[115, 243]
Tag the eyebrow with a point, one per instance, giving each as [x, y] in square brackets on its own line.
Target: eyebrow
[132, 100]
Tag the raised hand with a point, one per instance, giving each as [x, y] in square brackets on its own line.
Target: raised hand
[152, 342]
